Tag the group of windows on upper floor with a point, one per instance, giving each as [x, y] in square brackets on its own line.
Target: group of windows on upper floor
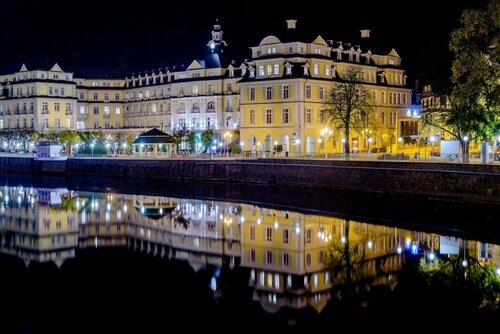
[284, 116]
[96, 96]
[40, 75]
[96, 110]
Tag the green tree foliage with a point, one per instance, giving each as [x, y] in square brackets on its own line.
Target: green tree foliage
[348, 107]
[472, 109]
[477, 283]
[206, 139]
[192, 139]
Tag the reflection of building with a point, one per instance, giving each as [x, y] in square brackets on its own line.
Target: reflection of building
[35, 227]
[284, 252]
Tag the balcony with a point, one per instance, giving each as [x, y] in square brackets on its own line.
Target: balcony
[69, 112]
[45, 112]
[210, 110]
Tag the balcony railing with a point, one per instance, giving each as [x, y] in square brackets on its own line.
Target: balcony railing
[69, 112]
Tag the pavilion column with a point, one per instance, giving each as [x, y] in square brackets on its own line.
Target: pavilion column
[155, 149]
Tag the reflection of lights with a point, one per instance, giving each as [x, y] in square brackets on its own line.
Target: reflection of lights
[370, 244]
[142, 209]
[414, 248]
[343, 239]
[221, 216]
[408, 242]
[464, 263]
[213, 284]
[432, 256]
[252, 275]
[258, 221]
[276, 225]
[199, 214]
[108, 206]
[297, 229]
[161, 211]
[125, 208]
[242, 219]
[399, 250]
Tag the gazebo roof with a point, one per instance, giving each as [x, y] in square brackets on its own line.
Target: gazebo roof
[154, 136]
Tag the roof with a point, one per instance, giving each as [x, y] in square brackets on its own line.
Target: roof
[154, 136]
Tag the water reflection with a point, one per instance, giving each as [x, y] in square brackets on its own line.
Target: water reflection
[294, 260]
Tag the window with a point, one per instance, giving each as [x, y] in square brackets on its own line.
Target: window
[269, 257]
[316, 69]
[96, 125]
[269, 70]
[269, 116]
[286, 235]
[321, 116]
[308, 91]
[321, 92]
[117, 111]
[308, 259]
[404, 98]
[276, 69]
[252, 232]
[251, 93]
[106, 97]
[195, 90]
[96, 110]
[80, 125]
[106, 110]
[269, 92]
[45, 106]
[286, 260]
[269, 234]
[68, 106]
[252, 117]
[308, 236]
[117, 125]
[285, 93]
[211, 106]
[96, 96]
[327, 70]
[81, 96]
[62, 91]
[82, 110]
[252, 255]
[309, 115]
[285, 116]
[51, 91]
[46, 123]
[57, 123]
[261, 70]
[117, 97]
[288, 70]
[57, 106]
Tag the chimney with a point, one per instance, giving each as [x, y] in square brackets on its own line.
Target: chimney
[290, 24]
[365, 33]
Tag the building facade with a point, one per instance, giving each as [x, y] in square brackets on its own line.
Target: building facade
[275, 97]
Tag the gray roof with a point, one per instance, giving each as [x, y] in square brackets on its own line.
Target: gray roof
[154, 136]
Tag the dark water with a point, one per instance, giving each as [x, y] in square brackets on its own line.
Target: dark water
[77, 256]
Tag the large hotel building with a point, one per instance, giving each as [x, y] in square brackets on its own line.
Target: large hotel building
[277, 96]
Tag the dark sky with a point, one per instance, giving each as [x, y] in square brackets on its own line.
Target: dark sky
[147, 34]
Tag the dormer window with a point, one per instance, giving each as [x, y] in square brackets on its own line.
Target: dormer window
[243, 71]
[357, 57]
[317, 51]
[339, 55]
[252, 73]
[391, 61]
[288, 69]
[276, 69]
[327, 70]
[350, 56]
[269, 70]
[231, 72]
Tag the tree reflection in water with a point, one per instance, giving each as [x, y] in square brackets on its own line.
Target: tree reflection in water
[464, 277]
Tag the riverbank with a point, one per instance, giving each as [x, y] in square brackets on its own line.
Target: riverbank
[461, 181]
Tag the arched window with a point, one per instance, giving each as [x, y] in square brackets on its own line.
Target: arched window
[196, 107]
[181, 107]
[211, 106]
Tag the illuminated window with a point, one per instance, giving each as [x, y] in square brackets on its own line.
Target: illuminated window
[316, 69]
[308, 91]
[285, 116]
[261, 70]
[269, 70]
[251, 93]
[285, 93]
[269, 92]
[252, 117]
[276, 69]
[269, 116]
[309, 115]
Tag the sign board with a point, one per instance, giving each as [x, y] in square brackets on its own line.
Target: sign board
[449, 147]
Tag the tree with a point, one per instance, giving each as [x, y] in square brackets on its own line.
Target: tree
[179, 135]
[472, 109]
[192, 139]
[69, 138]
[206, 139]
[348, 105]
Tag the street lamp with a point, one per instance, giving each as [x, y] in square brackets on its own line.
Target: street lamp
[370, 140]
[76, 149]
[92, 148]
[124, 145]
[141, 147]
[325, 132]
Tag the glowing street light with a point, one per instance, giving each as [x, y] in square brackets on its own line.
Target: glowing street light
[92, 148]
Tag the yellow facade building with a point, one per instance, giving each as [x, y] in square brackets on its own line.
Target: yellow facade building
[288, 83]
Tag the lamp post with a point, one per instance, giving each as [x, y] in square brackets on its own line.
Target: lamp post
[325, 132]
[124, 145]
[76, 149]
[370, 140]
[297, 146]
[320, 142]
[92, 148]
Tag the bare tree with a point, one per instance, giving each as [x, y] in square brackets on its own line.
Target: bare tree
[348, 106]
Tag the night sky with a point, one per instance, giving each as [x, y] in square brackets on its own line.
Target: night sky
[148, 34]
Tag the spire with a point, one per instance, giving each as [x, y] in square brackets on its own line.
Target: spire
[217, 44]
